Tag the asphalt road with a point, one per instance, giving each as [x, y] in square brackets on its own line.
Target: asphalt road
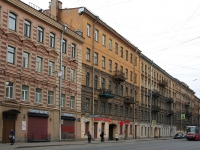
[170, 144]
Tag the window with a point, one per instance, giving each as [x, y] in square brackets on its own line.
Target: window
[116, 67]
[73, 51]
[12, 21]
[72, 99]
[103, 83]
[87, 79]
[88, 29]
[95, 105]
[102, 107]
[39, 64]
[88, 54]
[63, 72]
[121, 111]
[116, 89]
[96, 34]
[50, 97]
[109, 108]
[96, 58]
[135, 61]
[131, 93]
[25, 90]
[131, 58]
[27, 28]
[11, 55]
[121, 69]
[116, 48]
[64, 46]
[62, 100]
[87, 104]
[131, 128]
[40, 34]
[103, 62]
[126, 73]
[126, 91]
[110, 44]
[110, 65]
[126, 112]
[72, 75]
[51, 68]
[131, 75]
[96, 82]
[126, 55]
[104, 40]
[135, 78]
[25, 60]
[116, 108]
[52, 40]
[121, 90]
[121, 51]
[9, 90]
[38, 95]
[109, 86]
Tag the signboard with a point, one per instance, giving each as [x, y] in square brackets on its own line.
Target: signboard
[182, 116]
[94, 116]
[23, 125]
[103, 119]
[39, 111]
[68, 115]
[153, 122]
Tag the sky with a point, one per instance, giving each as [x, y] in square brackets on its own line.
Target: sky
[166, 31]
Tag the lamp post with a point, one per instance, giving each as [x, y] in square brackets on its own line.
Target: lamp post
[150, 115]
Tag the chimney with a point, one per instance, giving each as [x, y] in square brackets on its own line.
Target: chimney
[54, 8]
[59, 5]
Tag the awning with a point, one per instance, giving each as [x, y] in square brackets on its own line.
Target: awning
[68, 118]
[12, 111]
[38, 115]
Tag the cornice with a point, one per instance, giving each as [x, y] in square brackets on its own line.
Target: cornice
[45, 18]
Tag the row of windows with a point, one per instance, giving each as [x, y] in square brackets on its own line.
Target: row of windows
[39, 63]
[38, 95]
[110, 45]
[128, 111]
[27, 32]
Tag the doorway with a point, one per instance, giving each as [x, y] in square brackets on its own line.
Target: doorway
[95, 130]
[126, 131]
[135, 131]
[112, 131]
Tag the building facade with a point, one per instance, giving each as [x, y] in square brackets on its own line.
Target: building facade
[30, 45]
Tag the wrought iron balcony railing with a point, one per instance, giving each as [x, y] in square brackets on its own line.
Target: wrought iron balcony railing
[119, 76]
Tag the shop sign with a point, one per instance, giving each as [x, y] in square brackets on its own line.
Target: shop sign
[68, 115]
[124, 122]
[39, 111]
[103, 119]
[94, 116]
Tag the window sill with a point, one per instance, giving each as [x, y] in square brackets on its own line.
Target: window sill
[24, 101]
[38, 103]
[88, 60]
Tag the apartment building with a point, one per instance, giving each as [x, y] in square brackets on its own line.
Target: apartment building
[30, 71]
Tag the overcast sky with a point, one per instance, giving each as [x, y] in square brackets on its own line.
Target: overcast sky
[166, 31]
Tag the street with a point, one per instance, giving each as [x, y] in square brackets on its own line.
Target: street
[168, 144]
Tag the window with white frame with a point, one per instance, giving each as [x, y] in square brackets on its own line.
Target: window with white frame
[9, 90]
[25, 60]
[40, 34]
[11, 55]
[52, 40]
[63, 72]
[39, 64]
[103, 62]
[73, 51]
[51, 68]
[96, 33]
[27, 28]
[50, 97]
[88, 30]
[87, 104]
[96, 58]
[104, 40]
[12, 21]
[110, 65]
[63, 100]
[72, 99]
[38, 95]
[25, 91]
[110, 44]
[87, 54]
[72, 75]
[64, 48]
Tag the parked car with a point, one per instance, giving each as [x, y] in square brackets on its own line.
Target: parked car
[178, 136]
[183, 136]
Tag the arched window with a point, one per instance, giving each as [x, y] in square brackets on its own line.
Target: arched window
[109, 86]
[121, 90]
[126, 91]
[96, 82]
[115, 86]
[87, 79]
[103, 83]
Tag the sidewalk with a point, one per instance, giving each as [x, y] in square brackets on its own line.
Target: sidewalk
[17, 145]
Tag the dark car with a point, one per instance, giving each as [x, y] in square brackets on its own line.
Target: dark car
[183, 136]
[178, 136]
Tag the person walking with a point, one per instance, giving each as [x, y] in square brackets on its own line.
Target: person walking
[12, 137]
[102, 136]
[116, 137]
[89, 137]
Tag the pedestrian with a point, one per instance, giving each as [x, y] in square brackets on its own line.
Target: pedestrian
[102, 136]
[116, 137]
[89, 137]
[12, 137]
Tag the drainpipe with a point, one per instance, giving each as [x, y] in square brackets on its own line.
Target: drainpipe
[60, 82]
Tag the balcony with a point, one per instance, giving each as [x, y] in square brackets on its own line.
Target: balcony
[155, 93]
[119, 76]
[188, 113]
[170, 112]
[129, 100]
[170, 100]
[106, 94]
[162, 83]
[155, 108]
[187, 103]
